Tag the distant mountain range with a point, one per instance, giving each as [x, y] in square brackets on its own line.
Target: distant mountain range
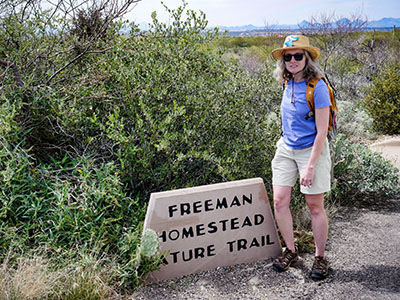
[385, 22]
[382, 23]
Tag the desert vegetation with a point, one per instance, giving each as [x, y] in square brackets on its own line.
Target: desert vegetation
[96, 115]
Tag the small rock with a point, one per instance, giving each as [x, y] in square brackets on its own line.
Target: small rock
[297, 274]
[254, 281]
[251, 269]
[201, 284]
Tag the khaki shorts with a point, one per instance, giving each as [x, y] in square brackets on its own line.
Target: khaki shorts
[288, 164]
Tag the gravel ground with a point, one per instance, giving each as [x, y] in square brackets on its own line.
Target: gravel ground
[363, 251]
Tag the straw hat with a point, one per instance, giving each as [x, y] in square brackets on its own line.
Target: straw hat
[297, 42]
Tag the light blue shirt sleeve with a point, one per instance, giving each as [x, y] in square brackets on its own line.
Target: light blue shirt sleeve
[321, 95]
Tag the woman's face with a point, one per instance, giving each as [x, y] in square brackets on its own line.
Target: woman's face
[295, 66]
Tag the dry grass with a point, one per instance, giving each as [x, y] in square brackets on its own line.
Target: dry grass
[302, 217]
[34, 278]
[86, 283]
[30, 279]
[303, 230]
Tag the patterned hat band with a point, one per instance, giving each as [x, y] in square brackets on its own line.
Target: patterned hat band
[297, 42]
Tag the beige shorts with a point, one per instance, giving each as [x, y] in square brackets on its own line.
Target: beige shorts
[288, 164]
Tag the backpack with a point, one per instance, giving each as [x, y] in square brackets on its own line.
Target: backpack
[310, 101]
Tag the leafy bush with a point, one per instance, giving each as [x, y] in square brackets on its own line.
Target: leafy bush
[70, 205]
[382, 101]
[354, 122]
[362, 175]
[166, 109]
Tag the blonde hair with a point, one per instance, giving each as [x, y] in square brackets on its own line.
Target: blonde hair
[311, 69]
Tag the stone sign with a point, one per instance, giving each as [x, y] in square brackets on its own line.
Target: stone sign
[210, 226]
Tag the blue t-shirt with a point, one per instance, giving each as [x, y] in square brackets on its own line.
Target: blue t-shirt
[299, 133]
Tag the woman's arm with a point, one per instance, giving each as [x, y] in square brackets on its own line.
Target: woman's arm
[322, 123]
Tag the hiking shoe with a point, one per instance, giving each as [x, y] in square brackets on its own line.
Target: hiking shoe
[284, 261]
[319, 268]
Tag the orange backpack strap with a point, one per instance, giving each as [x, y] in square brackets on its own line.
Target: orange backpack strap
[310, 91]
[310, 95]
[284, 83]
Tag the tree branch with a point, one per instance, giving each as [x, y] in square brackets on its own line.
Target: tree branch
[17, 76]
[113, 8]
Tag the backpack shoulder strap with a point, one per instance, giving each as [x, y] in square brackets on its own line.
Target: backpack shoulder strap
[331, 94]
[310, 91]
[284, 83]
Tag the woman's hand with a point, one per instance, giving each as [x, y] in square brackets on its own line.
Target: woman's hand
[307, 177]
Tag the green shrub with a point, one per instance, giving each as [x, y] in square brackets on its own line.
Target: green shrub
[354, 122]
[361, 175]
[166, 109]
[382, 101]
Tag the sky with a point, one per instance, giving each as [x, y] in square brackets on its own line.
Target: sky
[268, 12]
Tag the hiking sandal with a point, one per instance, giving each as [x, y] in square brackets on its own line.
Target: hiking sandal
[284, 261]
[319, 268]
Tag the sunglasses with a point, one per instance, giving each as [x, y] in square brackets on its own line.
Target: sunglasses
[297, 56]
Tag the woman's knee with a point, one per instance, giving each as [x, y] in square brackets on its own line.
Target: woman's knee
[315, 204]
[316, 210]
[282, 197]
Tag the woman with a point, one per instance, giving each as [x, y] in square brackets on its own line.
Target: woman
[303, 149]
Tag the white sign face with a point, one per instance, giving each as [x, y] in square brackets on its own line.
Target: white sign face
[210, 226]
